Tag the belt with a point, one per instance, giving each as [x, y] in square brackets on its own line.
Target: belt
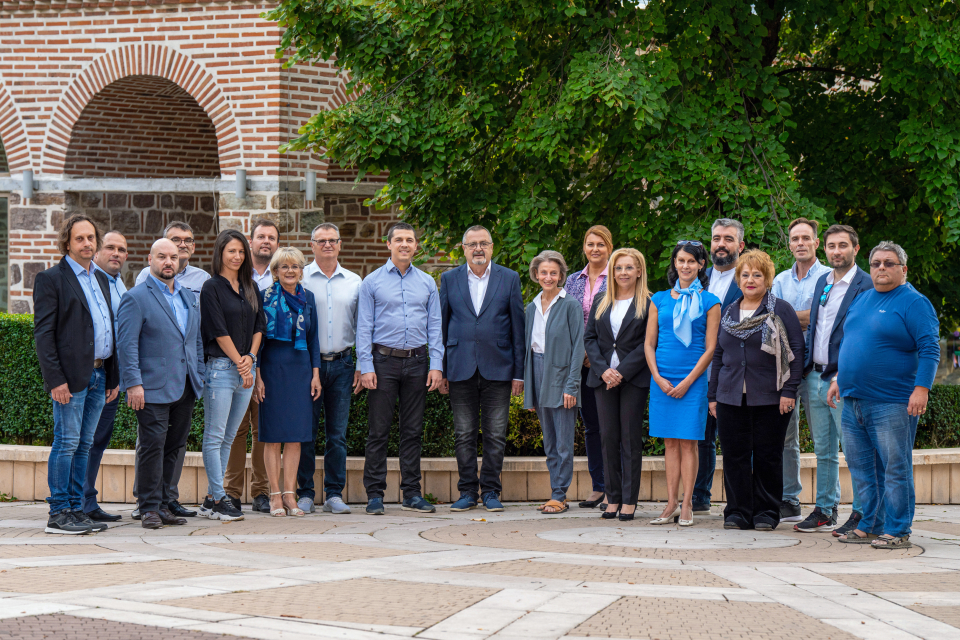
[98, 363]
[819, 367]
[400, 353]
[336, 355]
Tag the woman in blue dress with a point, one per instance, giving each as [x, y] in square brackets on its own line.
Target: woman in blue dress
[681, 337]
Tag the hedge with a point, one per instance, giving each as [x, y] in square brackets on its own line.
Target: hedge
[26, 414]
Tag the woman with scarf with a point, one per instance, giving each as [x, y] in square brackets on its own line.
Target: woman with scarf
[757, 368]
[681, 337]
[288, 376]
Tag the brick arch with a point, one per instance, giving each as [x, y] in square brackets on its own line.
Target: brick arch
[141, 59]
[13, 135]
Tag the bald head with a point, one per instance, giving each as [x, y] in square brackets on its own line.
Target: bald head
[164, 260]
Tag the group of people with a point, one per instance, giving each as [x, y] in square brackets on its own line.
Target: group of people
[268, 341]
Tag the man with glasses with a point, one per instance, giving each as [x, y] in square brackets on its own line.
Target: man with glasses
[795, 286]
[888, 360]
[337, 292]
[483, 324]
[832, 297]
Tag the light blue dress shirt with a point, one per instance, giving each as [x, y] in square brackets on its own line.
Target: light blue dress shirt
[176, 302]
[337, 302]
[117, 289]
[400, 312]
[103, 337]
[191, 277]
[798, 293]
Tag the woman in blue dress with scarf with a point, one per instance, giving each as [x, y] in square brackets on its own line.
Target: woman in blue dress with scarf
[288, 376]
[681, 337]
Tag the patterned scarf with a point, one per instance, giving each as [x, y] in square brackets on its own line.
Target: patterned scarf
[285, 315]
[688, 308]
[773, 335]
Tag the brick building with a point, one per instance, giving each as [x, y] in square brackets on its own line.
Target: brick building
[139, 113]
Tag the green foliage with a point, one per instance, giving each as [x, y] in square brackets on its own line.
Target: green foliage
[541, 118]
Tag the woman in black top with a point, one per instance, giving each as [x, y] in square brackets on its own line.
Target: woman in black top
[756, 371]
[231, 326]
[614, 341]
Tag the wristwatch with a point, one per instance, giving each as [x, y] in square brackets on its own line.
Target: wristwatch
[253, 357]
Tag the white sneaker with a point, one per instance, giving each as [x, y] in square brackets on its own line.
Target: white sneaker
[306, 505]
[335, 505]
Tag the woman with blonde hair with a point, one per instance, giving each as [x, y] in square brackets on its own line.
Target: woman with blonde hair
[620, 378]
[288, 376]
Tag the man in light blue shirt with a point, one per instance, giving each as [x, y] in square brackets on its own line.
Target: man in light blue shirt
[400, 351]
[103, 337]
[796, 286]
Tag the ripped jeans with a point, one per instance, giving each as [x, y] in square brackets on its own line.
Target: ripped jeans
[225, 402]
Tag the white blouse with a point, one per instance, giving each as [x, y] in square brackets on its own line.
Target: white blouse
[617, 313]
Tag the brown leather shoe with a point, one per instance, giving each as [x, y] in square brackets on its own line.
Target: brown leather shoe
[150, 520]
[167, 517]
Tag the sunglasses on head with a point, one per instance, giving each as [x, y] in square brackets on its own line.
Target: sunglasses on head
[692, 243]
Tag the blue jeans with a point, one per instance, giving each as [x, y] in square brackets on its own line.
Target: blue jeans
[336, 384]
[827, 434]
[101, 440]
[74, 424]
[791, 449]
[558, 426]
[707, 450]
[225, 401]
[878, 442]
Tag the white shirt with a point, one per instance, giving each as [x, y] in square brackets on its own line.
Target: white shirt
[337, 302]
[265, 280]
[720, 282]
[828, 315]
[617, 313]
[478, 286]
[743, 316]
[539, 337]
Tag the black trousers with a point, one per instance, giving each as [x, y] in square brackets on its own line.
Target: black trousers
[478, 402]
[621, 411]
[591, 431]
[162, 432]
[752, 441]
[404, 379]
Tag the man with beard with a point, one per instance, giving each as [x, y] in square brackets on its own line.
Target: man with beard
[832, 298]
[483, 322]
[726, 243]
[264, 241]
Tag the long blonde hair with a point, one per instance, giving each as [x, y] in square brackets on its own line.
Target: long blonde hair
[642, 293]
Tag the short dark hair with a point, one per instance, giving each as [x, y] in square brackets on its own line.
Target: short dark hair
[263, 222]
[699, 254]
[178, 224]
[400, 226]
[810, 223]
[841, 228]
[63, 237]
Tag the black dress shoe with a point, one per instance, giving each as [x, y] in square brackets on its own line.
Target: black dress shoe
[234, 501]
[99, 515]
[624, 517]
[610, 515]
[177, 509]
[167, 517]
[590, 504]
[150, 520]
[261, 503]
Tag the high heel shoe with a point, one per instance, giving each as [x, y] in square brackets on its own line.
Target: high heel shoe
[685, 523]
[610, 515]
[278, 513]
[296, 512]
[625, 517]
[673, 517]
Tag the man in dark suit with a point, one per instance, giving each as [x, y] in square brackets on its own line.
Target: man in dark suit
[73, 331]
[161, 363]
[481, 308]
[834, 293]
[726, 245]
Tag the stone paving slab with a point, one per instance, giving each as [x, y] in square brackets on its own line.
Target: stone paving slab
[325, 551]
[580, 572]
[66, 627]
[874, 583]
[42, 551]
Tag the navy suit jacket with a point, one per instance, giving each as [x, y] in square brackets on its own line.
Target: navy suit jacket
[491, 341]
[152, 351]
[733, 293]
[860, 283]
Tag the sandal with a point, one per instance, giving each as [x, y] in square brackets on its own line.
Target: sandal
[851, 537]
[559, 507]
[892, 542]
[295, 511]
[278, 513]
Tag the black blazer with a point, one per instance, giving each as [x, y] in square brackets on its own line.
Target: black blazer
[732, 293]
[600, 343]
[735, 359]
[861, 282]
[63, 330]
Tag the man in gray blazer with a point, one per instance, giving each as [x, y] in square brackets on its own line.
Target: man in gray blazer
[161, 366]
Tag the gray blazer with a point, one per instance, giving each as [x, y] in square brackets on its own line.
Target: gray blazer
[562, 355]
[153, 352]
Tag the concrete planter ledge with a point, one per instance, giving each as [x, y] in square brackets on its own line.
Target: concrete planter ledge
[23, 473]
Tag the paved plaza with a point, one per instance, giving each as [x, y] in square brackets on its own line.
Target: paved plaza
[516, 575]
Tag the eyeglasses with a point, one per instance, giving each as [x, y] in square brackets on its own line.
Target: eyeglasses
[692, 243]
[823, 298]
[184, 241]
[470, 246]
[288, 267]
[323, 243]
[876, 264]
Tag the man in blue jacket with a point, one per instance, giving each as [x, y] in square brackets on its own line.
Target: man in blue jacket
[483, 331]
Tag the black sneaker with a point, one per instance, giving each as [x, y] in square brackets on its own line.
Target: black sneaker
[852, 523]
[65, 523]
[179, 510]
[225, 511]
[84, 519]
[206, 509]
[818, 521]
[234, 501]
[790, 512]
[261, 503]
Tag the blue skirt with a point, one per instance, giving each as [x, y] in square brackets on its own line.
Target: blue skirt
[286, 412]
[686, 418]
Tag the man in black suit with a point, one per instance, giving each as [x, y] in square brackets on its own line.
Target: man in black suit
[483, 327]
[726, 245]
[74, 335]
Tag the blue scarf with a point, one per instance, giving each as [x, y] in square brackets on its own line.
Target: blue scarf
[688, 308]
[285, 315]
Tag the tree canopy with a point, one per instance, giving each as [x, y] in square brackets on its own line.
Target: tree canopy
[540, 118]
